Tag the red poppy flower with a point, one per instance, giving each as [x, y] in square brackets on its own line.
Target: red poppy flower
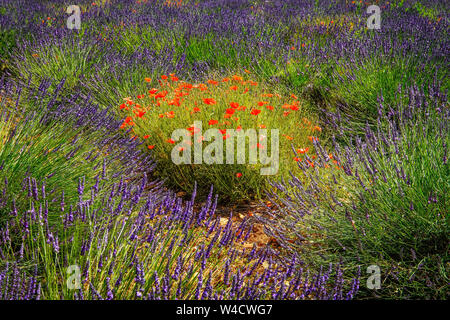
[209, 101]
[234, 105]
[255, 112]
[161, 94]
[213, 122]
[140, 114]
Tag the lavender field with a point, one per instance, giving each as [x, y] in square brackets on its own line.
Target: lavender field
[113, 188]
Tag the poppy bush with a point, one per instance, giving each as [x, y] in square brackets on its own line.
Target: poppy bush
[234, 102]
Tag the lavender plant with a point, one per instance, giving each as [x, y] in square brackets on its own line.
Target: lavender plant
[387, 206]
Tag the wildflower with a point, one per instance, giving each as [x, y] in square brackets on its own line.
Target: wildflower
[146, 136]
[213, 82]
[151, 147]
[170, 114]
[310, 163]
[238, 175]
[234, 105]
[269, 107]
[196, 110]
[255, 112]
[148, 79]
[303, 150]
[174, 102]
[193, 129]
[170, 141]
[317, 128]
[234, 88]
[209, 101]
[213, 122]
[161, 94]
[164, 77]
[230, 111]
[140, 114]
